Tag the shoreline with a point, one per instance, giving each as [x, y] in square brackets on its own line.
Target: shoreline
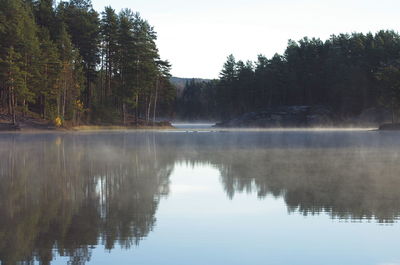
[10, 128]
[33, 124]
[118, 128]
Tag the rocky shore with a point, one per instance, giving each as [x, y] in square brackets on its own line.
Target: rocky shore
[390, 127]
[305, 117]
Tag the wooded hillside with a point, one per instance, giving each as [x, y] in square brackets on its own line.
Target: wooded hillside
[66, 62]
[347, 73]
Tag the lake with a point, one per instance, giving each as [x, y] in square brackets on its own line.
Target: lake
[201, 197]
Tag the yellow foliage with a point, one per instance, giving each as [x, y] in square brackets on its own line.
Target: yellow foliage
[58, 122]
[79, 105]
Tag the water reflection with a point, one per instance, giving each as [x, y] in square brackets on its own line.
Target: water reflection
[69, 192]
[355, 184]
[65, 194]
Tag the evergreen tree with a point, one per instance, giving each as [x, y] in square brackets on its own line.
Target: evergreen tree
[71, 79]
[128, 63]
[338, 73]
[109, 34]
[19, 40]
[57, 52]
[45, 16]
[227, 93]
[48, 87]
[389, 77]
[83, 26]
[14, 80]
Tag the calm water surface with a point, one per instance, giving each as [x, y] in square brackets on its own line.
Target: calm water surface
[219, 197]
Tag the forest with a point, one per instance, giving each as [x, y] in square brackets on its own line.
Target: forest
[67, 63]
[70, 65]
[347, 73]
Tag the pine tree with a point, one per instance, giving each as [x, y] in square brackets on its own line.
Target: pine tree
[109, 34]
[147, 57]
[83, 25]
[46, 17]
[48, 89]
[20, 37]
[14, 77]
[389, 77]
[71, 77]
[127, 62]
[228, 72]
[226, 87]
[57, 51]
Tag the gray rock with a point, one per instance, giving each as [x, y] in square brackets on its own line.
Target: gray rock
[375, 116]
[390, 127]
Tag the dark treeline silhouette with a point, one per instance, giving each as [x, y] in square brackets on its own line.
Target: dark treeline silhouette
[197, 101]
[66, 61]
[347, 73]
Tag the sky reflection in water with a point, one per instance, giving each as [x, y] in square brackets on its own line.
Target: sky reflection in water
[210, 198]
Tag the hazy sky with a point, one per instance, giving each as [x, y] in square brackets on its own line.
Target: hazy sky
[197, 36]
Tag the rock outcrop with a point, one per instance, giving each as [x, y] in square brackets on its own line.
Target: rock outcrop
[375, 116]
[390, 127]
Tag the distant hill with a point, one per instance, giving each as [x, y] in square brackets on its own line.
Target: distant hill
[180, 82]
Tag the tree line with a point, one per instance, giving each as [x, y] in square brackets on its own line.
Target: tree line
[66, 62]
[347, 73]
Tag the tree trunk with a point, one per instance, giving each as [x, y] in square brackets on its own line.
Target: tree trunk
[26, 82]
[392, 113]
[74, 120]
[9, 101]
[102, 85]
[137, 109]
[124, 113]
[64, 98]
[43, 98]
[148, 110]
[14, 118]
[23, 108]
[155, 101]
[109, 73]
[59, 100]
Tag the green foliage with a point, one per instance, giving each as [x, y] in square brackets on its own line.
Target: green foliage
[339, 73]
[45, 16]
[65, 56]
[83, 25]
[198, 101]
[14, 75]
[50, 66]
[389, 77]
[105, 114]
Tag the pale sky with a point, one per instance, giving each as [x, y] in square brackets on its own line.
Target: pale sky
[197, 36]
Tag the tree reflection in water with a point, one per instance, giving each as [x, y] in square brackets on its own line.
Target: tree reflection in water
[68, 192]
[65, 194]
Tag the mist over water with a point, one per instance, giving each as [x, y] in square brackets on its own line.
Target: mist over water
[217, 197]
